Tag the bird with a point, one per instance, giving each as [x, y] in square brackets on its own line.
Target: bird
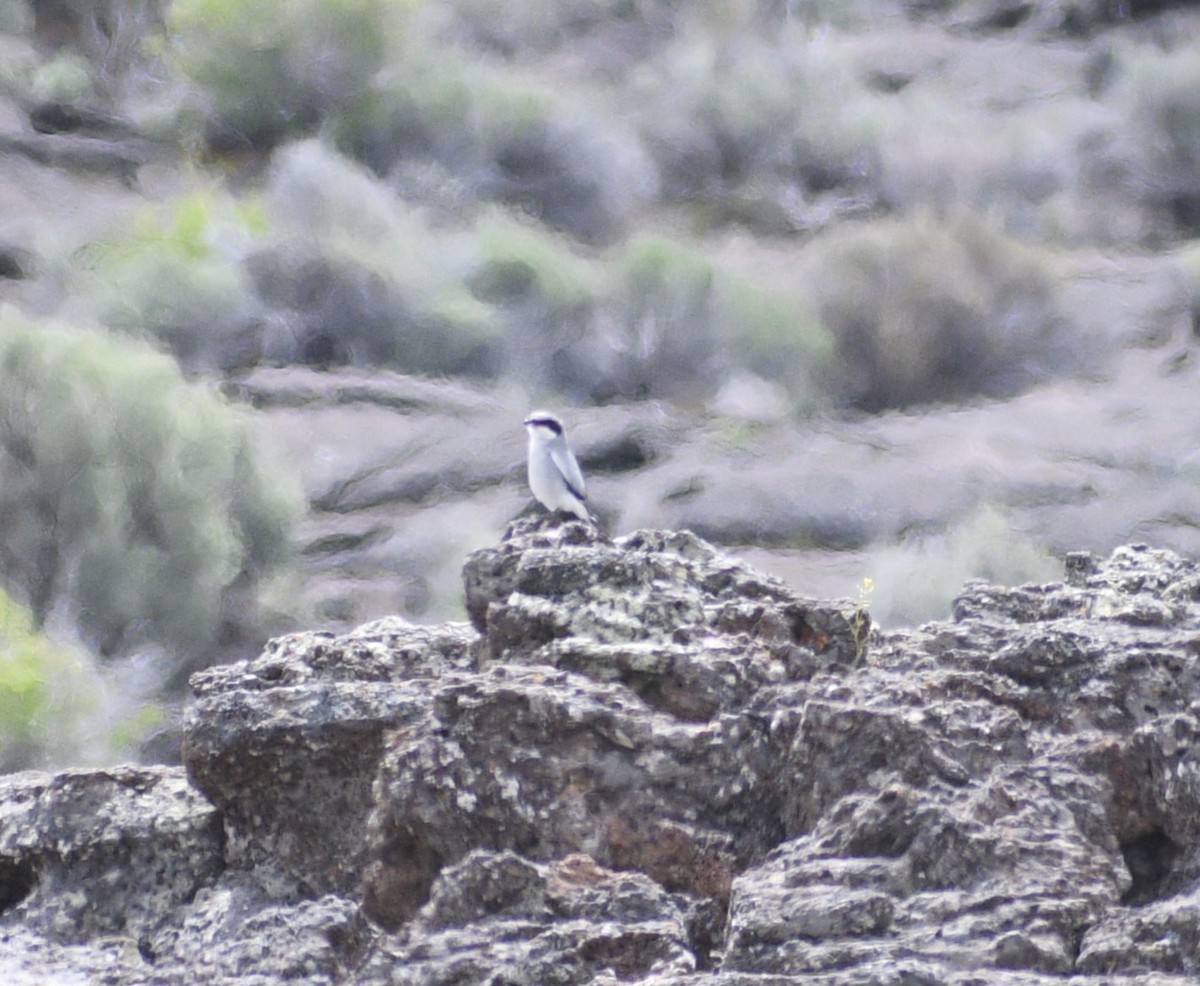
[554, 474]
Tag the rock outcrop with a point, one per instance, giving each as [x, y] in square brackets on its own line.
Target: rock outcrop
[643, 762]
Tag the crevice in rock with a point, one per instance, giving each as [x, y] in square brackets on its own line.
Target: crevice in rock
[1074, 943]
[706, 931]
[17, 880]
[671, 697]
[1150, 859]
[398, 882]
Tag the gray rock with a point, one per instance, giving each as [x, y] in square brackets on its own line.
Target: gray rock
[90, 854]
[28, 958]
[496, 917]
[120, 159]
[662, 612]
[644, 756]
[648, 764]
[548, 764]
[236, 933]
[1163, 935]
[287, 745]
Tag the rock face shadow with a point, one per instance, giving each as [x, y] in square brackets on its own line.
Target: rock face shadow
[1150, 859]
[17, 881]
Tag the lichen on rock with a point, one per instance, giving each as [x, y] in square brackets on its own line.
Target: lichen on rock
[644, 762]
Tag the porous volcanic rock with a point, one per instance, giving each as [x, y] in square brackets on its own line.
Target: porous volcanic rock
[84, 854]
[287, 745]
[688, 629]
[649, 754]
[645, 763]
[94, 864]
[498, 917]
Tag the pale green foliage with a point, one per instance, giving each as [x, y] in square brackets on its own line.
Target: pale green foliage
[508, 28]
[269, 68]
[671, 323]
[496, 135]
[383, 284]
[56, 707]
[520, 258]
[27, 659]
[546, 293]
[327, 265]
[132, 504]
[752, 112]
[1166, 110]
[67, 77]
[177, 276]
[566, 162]
[689, 322]
[923, 310]
[314, 193]
[15, 16]
[778, 336]
[669, 320]
[423, 105]
[917, 580]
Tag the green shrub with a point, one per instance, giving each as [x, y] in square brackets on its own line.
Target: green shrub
[664, 324]
[518, 258]
[752, 115]
[778, 336]
[422, 107]
[918, 579]
[267, 69]
[1166, 111]
[177, 277]
[563, 161]
[65, 78]
[923, 311]
[537, 25]
[56, 708]
[134, 505]
[16, 17]
[326, 265]
[543, 291]
[27, 662]
[364, 276]
[671, 324]
[567, 163]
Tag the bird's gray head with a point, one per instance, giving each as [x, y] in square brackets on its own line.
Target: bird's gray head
[543, 423]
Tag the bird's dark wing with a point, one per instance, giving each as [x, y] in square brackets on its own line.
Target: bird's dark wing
[565, 462]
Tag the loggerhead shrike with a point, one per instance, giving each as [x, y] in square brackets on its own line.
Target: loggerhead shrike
[554, 474]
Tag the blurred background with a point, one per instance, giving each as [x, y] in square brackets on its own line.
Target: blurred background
[879, 295]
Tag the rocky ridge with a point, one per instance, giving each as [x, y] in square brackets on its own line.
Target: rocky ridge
[642, 761]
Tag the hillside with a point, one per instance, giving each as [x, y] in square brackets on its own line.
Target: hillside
[882, 296]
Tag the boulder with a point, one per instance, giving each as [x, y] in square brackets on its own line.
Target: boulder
[288, 745]
[612, 714]
[498, 917]
[114, 852]
[644, 762]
